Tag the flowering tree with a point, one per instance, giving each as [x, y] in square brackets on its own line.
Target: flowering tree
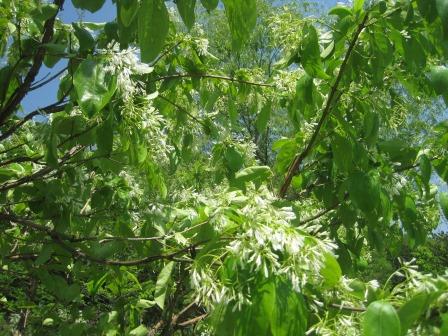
[228, 182]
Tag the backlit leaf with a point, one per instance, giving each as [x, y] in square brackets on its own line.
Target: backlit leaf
[153, 24]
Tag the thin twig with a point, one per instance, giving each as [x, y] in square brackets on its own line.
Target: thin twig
[42, 83]
[210, 76]
[183, 110]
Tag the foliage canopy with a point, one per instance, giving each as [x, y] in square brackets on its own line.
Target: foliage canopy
[224, 168]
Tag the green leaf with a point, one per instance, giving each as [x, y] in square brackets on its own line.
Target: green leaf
[263, 117]
[242, 17]
[144, 304]
[141, 330]
[153, 26]
[105, 135]
[442, 9]
[381, 319]
[51, 152]
[210, 5]
[276, 310]
[86, 41]
[186, 11]
[439, 80]
[428, 9]
[255, 174]
[330, 271]
[90, 5]
[363, 191]
[340, 11]
[310, 53]
[48, 322]
[162, 284]
[48, 11]
[128, 11]
[425, 168]
[94, 86]
[234, 159]
[411, 311]
[342, 152]
[444, 326]
[443, 200]
[357, 5]
[399, 151]
[371, 128]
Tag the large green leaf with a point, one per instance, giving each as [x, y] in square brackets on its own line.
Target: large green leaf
[276, 310]
[128, 11]
[86, 40]
[234, 160]
[186, 11]
[363, 191]
[310, 53]
[90, 5]
[94, 86]
[162, 284]
[439, 80]
[381, 319]
[342, 152]
[256, 174]
[411, 311]
[399, 151]
[425, 168]
[153, 26]
[141, 330]
[442, 9]
[331, 271]
[263, 117]
[242, 17]
[105, 135]
[428, 9]
[341, 11]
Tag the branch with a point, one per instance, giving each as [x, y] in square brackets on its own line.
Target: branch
[44, 82]
[183, 110]
[166, 52]
[20, 159]
[193, 320]
[23, 89]
[343, 307]
[320, 214]
[327, 109]
[61, 238]
[53, 108]
[40, 173]
[210, 76]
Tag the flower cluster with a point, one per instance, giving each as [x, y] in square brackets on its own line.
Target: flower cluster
[264, 243]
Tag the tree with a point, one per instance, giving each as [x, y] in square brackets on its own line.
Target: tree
[137, 204]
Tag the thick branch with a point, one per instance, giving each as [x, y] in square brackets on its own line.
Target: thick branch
[327, 109]
[23, 89]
